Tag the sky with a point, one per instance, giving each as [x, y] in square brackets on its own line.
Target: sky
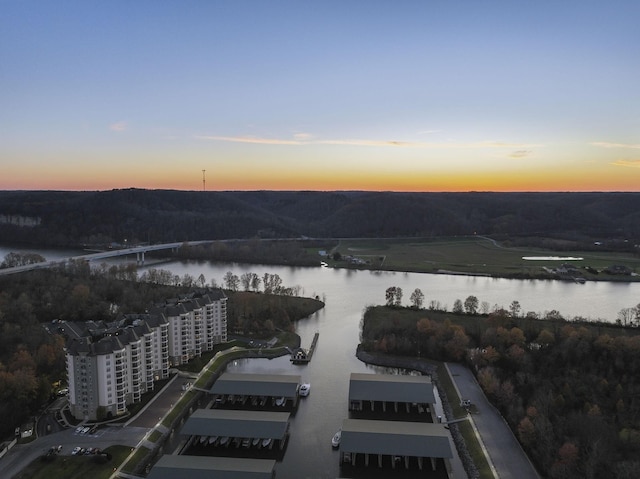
[424, 95]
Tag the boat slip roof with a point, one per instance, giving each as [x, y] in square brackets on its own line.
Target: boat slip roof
[395, 438]
[237, 423]
[391, 387]
[275, 385]
[205, 467]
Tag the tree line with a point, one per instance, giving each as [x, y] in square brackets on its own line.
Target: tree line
[570, 391]
[628, 317]
[158, 216]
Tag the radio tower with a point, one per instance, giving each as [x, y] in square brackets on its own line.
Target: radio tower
[203, 181]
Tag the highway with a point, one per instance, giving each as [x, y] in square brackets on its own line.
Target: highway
[136, 250]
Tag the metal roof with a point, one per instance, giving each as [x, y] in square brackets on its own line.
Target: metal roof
[395, 438]
[205, 467]
[275, 385]
[237, 423]
[391, 387]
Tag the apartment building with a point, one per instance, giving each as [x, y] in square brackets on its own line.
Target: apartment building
[197, 322]
[110, 365]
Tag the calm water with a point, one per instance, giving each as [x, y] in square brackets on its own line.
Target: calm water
[346, 294]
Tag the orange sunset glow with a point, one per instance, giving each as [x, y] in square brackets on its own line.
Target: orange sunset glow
[484, 98]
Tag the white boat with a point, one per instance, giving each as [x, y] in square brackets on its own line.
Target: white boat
[224, 440]
[202, 439]
[280, 401]
[266, 442]
[304, 389]
[212, 439]
[255, 442]
[335, 441]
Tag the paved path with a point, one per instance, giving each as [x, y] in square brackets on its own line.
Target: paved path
[505, 453]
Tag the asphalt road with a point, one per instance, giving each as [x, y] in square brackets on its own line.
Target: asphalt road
[508, 458]
[23, 454]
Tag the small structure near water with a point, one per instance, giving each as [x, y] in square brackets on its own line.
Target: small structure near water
[302, 356]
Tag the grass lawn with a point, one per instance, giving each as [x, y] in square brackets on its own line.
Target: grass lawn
[138, 456]
[476, 255]
[75, 467]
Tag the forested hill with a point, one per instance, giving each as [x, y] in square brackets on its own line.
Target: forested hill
[71, 218]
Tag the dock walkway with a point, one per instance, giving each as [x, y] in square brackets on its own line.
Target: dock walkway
[300, 356]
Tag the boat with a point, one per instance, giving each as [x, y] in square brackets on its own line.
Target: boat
[304, 389]
[335, 441]
[280, 401]
[255, 442]
[266, 442]
[224, 440]
[202, 439]
[212, 439]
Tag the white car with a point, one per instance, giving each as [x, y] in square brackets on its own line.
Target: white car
[76, 450]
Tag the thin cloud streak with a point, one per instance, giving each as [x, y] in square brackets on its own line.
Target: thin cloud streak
[605, 144]
[520, 154]
[258, 141]
[368, 143]
[627, 163]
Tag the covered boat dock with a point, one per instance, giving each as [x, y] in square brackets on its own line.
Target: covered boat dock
[202, 467]
[237, 425]
[368, 390]
[395, 444]
[260, 389]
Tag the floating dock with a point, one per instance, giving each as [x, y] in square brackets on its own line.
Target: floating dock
[302, 356]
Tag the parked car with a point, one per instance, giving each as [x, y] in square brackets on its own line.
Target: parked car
[76, 451]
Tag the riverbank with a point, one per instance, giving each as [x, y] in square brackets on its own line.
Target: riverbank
[483, 256]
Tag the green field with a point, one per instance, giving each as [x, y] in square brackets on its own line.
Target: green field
[473, 255]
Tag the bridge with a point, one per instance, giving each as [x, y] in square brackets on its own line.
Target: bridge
[139, 251]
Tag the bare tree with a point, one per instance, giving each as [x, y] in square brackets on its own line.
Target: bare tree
[457, 306]
[231, 281]
[398, 300]
[626, 316]
[245, 280]
[471, 305]
[417, 298]
[255, 282]
[389, 295]
[515, 309]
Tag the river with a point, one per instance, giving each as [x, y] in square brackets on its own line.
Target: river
[346, 294]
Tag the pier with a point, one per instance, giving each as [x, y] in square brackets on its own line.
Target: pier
[302, 356]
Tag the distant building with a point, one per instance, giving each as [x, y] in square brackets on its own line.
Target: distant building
[110, 365]
[618, 269]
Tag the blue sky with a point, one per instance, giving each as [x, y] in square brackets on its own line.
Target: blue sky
[412, 95]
